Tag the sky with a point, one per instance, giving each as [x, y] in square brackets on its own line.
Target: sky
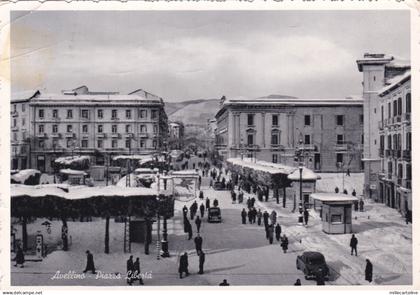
[184, 55]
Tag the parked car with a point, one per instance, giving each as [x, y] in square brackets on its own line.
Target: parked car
[214, 214]
[311, 263]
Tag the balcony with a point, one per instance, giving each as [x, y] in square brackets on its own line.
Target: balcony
[398, 119]
[70, 135]
[399, 181]
[14, 114]
[56, 119]
[42, 135]
[341, 146]
[381, 125]
[56, 135]
[407, 155]
[115, 135]
[143, 135]
[407, 183]
[129, 135]
[387, 153]
[407, 118]
[115, 118]
[381, 153]
[100, 135]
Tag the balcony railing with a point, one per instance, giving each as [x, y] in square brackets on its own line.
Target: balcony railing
[100, 135]
[399, 181]
[70, 134]
[341, 146]
[407, 155]
[381, 153]
[387, 153]
[115, 135]
[56, 135]
[42, 135]
[398, 119]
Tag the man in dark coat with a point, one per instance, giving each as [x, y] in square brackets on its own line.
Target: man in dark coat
[319, 277]
[192, 213]
[345, 192]
[90, 265]
[284, 243]
[368, 271]
[361, 205]
[265, 218]
[250, 215]
[198, 223]
[201, 259]
[271, 233]
[353, 244]
[241, 197]
[252, 202]
[278, 232]
[306, 216]
[337, 190]
[185, 211]
[224, 283]
[207, 203]
[198, 241]
[189, 229]
[137, 273]
[20, 257]
[183, 265]
[353, 193]
[259, 216]
[201, 195]
[298, 283]
[243, 215]
[130, 270]
[202, 209]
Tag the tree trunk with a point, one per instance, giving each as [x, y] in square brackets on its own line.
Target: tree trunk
[64, 235]
[284, 197]
[107, 235]
[24, 234]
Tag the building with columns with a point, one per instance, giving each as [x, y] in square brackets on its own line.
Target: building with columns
[378, 70]
[272, 128]
[81, 122]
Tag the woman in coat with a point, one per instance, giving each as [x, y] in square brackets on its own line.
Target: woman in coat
[284, 243]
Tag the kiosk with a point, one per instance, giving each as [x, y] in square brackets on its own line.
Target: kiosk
[335, 211]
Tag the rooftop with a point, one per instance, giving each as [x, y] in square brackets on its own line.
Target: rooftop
[333, 197]
[395, 82]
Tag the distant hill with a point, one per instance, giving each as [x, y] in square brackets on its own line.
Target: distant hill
[195, 112]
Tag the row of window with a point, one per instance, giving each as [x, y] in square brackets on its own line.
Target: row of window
[100, 128]
[395, 107]
[14, 124]
[339, 120]
[84, 143]
[398, 168]
[394, 141]
[85, 114]
[275, 139]
[15, 107]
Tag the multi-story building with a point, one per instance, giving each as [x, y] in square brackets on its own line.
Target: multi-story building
[98, 124]
[377, 70]
[176, 135]
[272, 128]
[395, 143]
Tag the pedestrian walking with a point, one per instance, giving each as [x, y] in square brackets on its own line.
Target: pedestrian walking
[356, 205]
[20, 257]
[198, 241]
[284, 243]
[233, 196]
[202, 209]
[201, 195]
[130, 270]
[345, 192]
[198, 223]
[250, 215]
[337, 190]
[207, 203]
[137, 273]
[254, 214]
[306, 216]
[185, 211]
[183, 265]
[353, 244]
[189, 229]
[368, 271]
[240, 197]
[259, 216]
[270, 233]
[201, 260]
[348, 172]
[353, 193]
[243, 215]
[298, 283]
[90, 265]
[265, 218]
[278, 232]
[361, 205]
[273, 217]
[199, 181]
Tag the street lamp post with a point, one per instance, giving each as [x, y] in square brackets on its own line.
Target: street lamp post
[300, 220]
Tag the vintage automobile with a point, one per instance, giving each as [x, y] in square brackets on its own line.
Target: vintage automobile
[312, 264]
[214, 215]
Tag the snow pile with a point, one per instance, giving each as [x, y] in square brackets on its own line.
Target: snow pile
[73, 172]
[24, 175]
[72, 160]
[79, 192]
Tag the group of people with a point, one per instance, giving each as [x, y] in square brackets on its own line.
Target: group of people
[358, 205]
[133, 271]
[183, 264]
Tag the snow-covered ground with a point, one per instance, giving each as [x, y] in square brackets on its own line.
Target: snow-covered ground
[239, 253]
[329, 181]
